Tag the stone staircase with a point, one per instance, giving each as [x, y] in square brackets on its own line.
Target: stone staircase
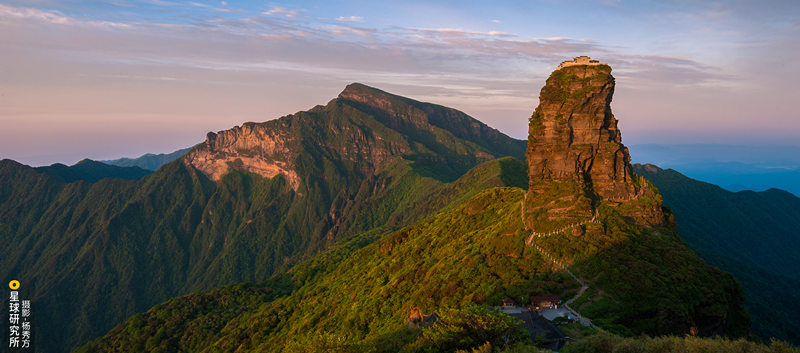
[530, 241]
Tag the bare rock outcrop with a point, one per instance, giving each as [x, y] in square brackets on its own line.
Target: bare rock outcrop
[576, 158]
[251, 148]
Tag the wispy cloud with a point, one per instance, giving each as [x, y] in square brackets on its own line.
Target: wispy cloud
[285, 37]
[54, 17]
[215, 8]
[363, 32]
[161, 2]
[281, 11]
[676, 71]
[461, 32]
[350, 19]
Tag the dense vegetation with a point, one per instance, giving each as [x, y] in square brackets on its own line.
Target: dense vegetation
[646, 279]
[607, 343]
[470, 327]
[101, 260]
[559, 82]
[92, 254]
[360, 295]
[753, 235]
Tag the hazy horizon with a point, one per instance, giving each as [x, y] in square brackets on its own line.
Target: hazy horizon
[115, 78]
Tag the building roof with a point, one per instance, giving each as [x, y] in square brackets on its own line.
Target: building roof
[536, 325]
[544, 298]
[581, 60]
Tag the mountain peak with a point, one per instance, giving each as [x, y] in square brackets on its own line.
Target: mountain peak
[412, 117]
[651, 168]
[365, 126]
[359, 89]
[575, 153]
[86, 161]
[370, 96]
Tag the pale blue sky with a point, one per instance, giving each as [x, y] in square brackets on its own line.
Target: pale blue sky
[112, 78]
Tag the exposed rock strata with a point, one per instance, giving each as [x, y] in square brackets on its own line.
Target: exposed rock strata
[575, 154]
[252, 148]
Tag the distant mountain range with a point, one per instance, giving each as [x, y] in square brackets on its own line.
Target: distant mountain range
[732, 167]
[148, 161]
[92, 171]
[753, 235]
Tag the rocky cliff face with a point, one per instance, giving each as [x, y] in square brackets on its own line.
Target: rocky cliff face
[575, 154]
[252, 148]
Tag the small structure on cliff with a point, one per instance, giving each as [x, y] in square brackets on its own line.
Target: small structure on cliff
[581, 60]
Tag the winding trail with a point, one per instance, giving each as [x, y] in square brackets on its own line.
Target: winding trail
[559, 264]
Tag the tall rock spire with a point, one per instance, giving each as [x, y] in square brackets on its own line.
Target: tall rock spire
[576, 159]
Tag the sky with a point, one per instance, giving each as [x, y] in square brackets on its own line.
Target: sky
[105, 79]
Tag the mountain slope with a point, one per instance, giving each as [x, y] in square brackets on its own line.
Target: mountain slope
[772, 299]
[148, 161]
[93, 254]
[361, 295]
[761, 227]
[92, 171]
[753, 235]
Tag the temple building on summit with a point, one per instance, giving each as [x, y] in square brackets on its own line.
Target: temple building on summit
[581, 60]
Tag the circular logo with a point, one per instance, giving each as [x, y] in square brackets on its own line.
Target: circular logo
[13, 284]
